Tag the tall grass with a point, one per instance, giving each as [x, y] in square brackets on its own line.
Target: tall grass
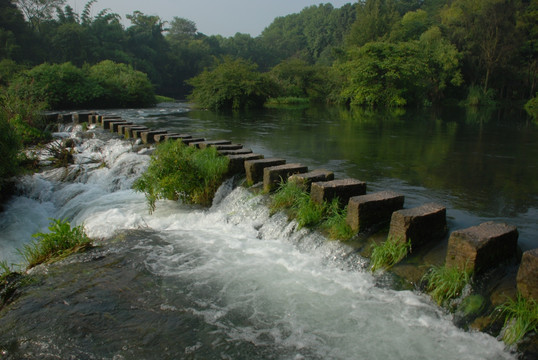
[293, 197]
[61, 241]
[521, 317]
[389, 253]
[444, 283]
[177, 171]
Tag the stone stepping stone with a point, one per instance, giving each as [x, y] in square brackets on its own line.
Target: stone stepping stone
[421, 224]
[272, 176]
[342, 189]
[206, 144]
[481, 247]
[130, 130]
[177, 136]
[108, 118]
[137, 133]
[527, 276]
[228, 146]
[235, 152]
[237, 162]
[365, 211]
[122, 128]
[308, 178]
[115, 125]
[188, 141]
[254, 168]
[148, 137]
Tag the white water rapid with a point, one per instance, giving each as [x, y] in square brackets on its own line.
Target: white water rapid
[250, 275]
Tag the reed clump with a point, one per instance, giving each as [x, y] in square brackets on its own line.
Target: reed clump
[177, 171]
[445, 283]
[61, 241]
[521, 317]
[389, 253]
[293, 198]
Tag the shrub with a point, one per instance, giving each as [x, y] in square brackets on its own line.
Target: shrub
[232, 84]
[444, 283]
[521, 317]
[477, 96]
[182, 172]
[389, 253]
[61, 241]
[10, 145]
[532, 107]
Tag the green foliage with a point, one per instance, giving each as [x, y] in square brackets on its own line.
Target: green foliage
[521, 317]
[10, 145]
[177, 171]
[531, 107]
[444, 283]
[161, 99]
[232, 84]
[61, 241]
[478, 97]
[292, 197]
[389, 253]
[5, 270]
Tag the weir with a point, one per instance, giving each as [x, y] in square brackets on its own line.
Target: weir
[486, 245]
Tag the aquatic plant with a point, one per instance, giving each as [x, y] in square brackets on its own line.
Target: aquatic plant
[389, 253]
[177, 171]
[61, 241]
[521, 317]
[5, 270]
[292, 197]
[444, 283]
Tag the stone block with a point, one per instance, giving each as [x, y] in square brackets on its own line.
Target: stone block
[235, 152]
[481, 247]
[228, 146]
[254, 168]
[420, 225]
[115, 125]
[122, 128]
[308, 178]
[237, 162]
[148, 137]
[177, 136]
[84, 116]
[527, 276]
[137, 133]
[342, 189]
[272, 176]
[208, 143]
[65, 118]
[106, 118]
[196, 144]
[187, 141]
[365, 211]
[129, 130]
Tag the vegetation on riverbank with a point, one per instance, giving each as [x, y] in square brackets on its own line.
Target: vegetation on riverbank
[178, 171]
[445, 283]
[521, 317]
[388, 253]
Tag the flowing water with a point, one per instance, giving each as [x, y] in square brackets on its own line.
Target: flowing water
[233, 282]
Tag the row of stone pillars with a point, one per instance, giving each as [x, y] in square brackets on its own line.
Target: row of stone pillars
[477, 248]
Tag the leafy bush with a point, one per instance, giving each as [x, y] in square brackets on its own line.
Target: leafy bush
[389, 253]
[477, 96]
[444, 283]
[121, 85]
[532, 107]
[521, 317]
[177, 171]
[10, 145]
[232, 84]
[61, 241]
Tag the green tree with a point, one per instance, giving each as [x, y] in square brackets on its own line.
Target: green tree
[232, 84]
[375, 19]
[38, 11]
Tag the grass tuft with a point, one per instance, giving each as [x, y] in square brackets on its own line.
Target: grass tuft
[61, 241]
[444, 283]
[177, 171]
[389, 253]
[521, 317]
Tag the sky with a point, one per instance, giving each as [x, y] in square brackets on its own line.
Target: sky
[212, 17]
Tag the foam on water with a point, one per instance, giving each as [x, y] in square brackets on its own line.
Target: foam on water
[253, 276]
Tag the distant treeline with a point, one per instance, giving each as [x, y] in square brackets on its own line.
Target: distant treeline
[370, 53]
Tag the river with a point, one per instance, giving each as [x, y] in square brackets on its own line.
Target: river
[233, 282]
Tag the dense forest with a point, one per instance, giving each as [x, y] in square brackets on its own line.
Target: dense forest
[371, 52]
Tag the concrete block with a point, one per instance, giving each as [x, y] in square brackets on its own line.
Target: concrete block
[254, 168]
[365, 211]
[274, 174]
[237, 162]
[342, 189]
[421, 224]
[129, 130]
[122, 128]
[308, 178]
[115, 125]
[481, 247]
[104, 118]
[527, 276]
[148, 137]
[137, 133]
